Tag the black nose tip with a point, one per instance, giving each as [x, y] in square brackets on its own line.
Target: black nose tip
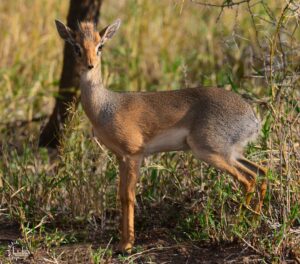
[90, 67]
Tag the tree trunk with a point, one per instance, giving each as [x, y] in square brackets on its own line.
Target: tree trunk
[79, 10]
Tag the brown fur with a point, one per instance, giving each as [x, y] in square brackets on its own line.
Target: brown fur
[213, 123]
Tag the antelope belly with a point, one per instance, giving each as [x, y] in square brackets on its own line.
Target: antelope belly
[170, 140]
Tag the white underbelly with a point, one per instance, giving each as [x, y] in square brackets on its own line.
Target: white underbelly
[170, 140]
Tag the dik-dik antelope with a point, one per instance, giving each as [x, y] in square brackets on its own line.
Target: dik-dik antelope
[213, 123]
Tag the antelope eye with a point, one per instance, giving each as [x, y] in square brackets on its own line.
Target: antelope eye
[100, 48]
[77, 50]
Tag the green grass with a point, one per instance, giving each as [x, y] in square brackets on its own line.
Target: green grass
[181, 45]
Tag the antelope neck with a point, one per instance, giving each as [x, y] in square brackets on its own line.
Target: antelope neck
[95, 98]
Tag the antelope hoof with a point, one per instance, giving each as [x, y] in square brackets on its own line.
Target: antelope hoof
[125, 248]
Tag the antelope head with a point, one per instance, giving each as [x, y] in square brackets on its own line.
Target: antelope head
[87, 42]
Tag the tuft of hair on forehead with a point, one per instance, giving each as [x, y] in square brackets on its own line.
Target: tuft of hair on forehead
[87, 30]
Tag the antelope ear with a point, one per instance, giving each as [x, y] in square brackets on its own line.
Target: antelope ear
[64, 32]
[109, 31]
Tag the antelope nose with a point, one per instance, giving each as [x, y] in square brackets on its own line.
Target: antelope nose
[90, 66]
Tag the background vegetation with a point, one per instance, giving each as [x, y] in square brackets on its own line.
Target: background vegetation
[251, 48]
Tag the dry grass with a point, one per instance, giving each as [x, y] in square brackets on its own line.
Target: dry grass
[252, 49]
